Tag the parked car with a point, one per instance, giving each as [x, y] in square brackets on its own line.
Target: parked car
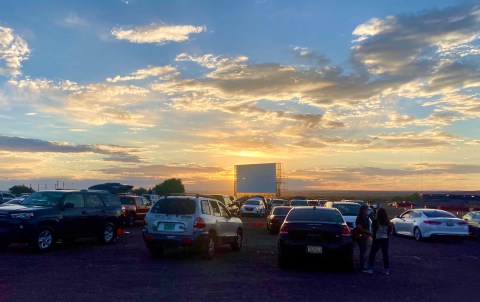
[473, 221]
[197, 222]
[5, 196]
[425, 223]
[312, 202]
[298, 203]
[278, 202]
[253, 207]
[225, 199]
[134, 208]
[276, 218]
[315, 233]
[46, 216]
[348, 209]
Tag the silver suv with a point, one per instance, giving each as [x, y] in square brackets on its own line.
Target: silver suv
[191, 222]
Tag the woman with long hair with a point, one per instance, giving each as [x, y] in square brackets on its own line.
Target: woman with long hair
[362, 230]
[381, 230]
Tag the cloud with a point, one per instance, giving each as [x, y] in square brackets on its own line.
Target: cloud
[155, 33]
[114, 153]
[73, 21]
[13, 50]
[160, 72]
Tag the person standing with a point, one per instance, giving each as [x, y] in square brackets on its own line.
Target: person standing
[381, 231]
[362, 235]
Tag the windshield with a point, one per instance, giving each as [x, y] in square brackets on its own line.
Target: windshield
[48, 199]
[348, 209]
[178, 206]
[252, 202]
[126, 200]
[315, 214]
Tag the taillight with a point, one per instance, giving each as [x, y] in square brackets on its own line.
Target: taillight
[462, 223]
[432, 222]
[284, 229]
[199, 223]
[346, 231]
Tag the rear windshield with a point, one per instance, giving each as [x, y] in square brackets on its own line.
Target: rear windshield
[348, 209]
[252, 202]
[110, 200]
[435, 214]
[281, 211]
[317, 215]
[49, 199]
[178, 206]
[126, 200]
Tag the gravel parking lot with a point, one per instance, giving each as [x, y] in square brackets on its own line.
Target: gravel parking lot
[441, 270]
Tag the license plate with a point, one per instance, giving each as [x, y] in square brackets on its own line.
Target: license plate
[449, 223]
[169, 226]
[312, 249]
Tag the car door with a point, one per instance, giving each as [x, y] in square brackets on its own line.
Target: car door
[143, 205]
[229, 226]
[220, 220]
[74, 217]
[93, 212]
[402, 223]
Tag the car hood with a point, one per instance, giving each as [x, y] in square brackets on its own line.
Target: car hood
[21, 208]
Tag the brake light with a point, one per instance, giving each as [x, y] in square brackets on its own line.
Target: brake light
[346, 231]
[284, 229]
[432, 222]
[462, 223]
[199, 223]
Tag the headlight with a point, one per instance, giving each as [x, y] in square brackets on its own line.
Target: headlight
[22, 215]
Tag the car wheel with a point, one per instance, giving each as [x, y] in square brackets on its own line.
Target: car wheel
[417, 234]
[131, 220]
[209, 250]
[44, 239]
[108, 233]
[237, 245]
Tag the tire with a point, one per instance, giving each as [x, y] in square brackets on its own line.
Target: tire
[237, 245]
[108, 233]
[131, 220]
[417, 234]
[209, 249]
[44, 239]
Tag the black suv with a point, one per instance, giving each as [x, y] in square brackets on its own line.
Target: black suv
[46, 216]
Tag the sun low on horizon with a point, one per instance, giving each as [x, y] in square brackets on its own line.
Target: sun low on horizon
[377, 95]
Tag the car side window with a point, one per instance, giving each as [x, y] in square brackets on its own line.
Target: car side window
[138, 201]
[215, 208]
[206, 207]
[145, 201]
[93, 201]
[75, 199]
[223, 211]
[406, 215]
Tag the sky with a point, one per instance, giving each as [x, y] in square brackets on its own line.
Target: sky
[346, 95]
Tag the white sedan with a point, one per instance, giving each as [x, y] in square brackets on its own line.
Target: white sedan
[424, 223]
[254, 207]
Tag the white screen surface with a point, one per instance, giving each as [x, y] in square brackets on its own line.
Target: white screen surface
[256, 178]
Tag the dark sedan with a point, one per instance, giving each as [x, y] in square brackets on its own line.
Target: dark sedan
[315, 233]
[276, 218]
